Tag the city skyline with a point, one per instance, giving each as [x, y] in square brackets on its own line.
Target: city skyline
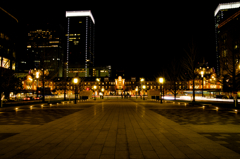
[138, 38]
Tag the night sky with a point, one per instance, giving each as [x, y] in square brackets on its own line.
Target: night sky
[138, 37]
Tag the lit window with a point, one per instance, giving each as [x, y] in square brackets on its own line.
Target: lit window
[2, 35]
[6, 63]
[224, 53]
[53, 41]
[13, 66]
[75, 42]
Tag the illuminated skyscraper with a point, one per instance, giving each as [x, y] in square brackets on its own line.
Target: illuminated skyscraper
[44, 49]
[223, 11]
[80, 42]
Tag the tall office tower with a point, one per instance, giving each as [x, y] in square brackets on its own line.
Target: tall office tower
[8, 39]
[223, 11]
[80, 42]
[44, 49]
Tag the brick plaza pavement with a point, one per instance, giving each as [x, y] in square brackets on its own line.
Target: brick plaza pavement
[118, 128]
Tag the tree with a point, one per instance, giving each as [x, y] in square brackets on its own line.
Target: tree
[189, 65]
[174, 75]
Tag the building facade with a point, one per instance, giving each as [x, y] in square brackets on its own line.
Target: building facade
[133, 86]
[8, 52]
[44, 49]
[222, 12]
[98, 71]
[206, 82]
[80, 34]
[8, 39]
[229, 52]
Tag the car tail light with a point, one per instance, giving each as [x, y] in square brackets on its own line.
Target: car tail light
[28, 98]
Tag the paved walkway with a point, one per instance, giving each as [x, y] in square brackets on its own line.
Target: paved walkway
[108, 129]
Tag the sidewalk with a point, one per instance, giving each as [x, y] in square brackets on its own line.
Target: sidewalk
[105, 129]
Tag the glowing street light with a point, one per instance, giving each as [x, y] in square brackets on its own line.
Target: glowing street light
[202, 74]
[102, 92]
[136, 92]
[94, 88]
[98, 83]
[75, 81]
[161, 81]
[143, 87]
[37, 75]
[142, 80]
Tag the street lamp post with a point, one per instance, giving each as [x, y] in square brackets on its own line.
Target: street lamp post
[202, 74]
[161, 84]
[98, 83]
[37, 76]
[142, 80]
[102, 92]
[144, 87]
[94, 88]
[136, 92]
[75, 81]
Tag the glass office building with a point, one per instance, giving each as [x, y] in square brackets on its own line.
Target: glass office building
[8, 38]
[44, 49]
[222, 12]
[80, 34]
